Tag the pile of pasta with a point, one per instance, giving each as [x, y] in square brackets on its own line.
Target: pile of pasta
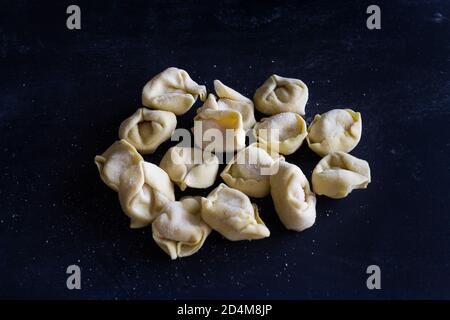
[180, 227]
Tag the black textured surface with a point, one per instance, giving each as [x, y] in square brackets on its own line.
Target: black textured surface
[64, 93]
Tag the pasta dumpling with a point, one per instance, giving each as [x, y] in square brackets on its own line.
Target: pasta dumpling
[279, 94]
[338, 173]
[230, 99]
[147, 129]
[179, 230]
[115, 160]
[294, 201]
[143, 191]
[190, 167]
[230, 212]
[218, 130]
[335, 130]
[283, 132]
[249, 171]
[172, 90]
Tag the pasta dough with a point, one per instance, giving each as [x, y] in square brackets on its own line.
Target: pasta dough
[230, 212]
[219, 130]
[249, 171]
[179, 230]
[172, 90]
[115, 160]
[230, 99]
[278, 94]
[338, 173]
[143, 191]
[294, 201]
[283, 132]
[147, 129]
[190, 167]
[335, 130]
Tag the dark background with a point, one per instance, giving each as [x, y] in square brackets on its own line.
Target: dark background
[64, 93]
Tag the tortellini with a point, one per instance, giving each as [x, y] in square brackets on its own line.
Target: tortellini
[294, 201]
[190, 167]
[230, 212]
[115, 160]
[147, 129]
[230, 99]
[180, 227]
[338, 173]
[249, 171]
[179, 230]
[279, 94]
[283, 132]
[144, 190]
[335, 130]
[218, 130]
[172, 90]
